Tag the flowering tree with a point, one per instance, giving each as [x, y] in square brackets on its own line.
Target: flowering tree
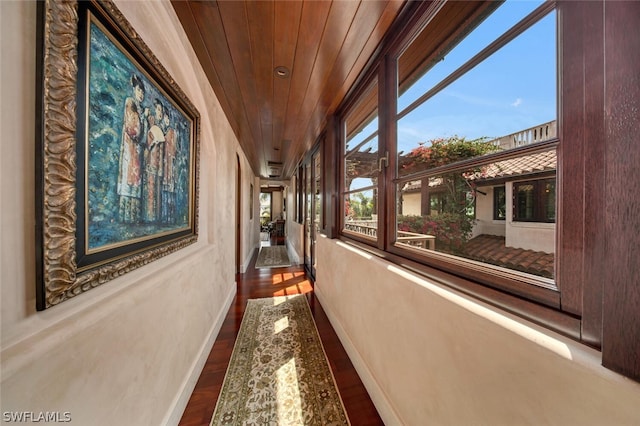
[443, 151]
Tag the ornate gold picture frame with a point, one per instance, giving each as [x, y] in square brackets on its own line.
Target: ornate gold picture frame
[117, 156]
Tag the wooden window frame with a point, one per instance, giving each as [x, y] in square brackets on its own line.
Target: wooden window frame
[597, 285]
[496, 191]
[352, 108]
[539, 289]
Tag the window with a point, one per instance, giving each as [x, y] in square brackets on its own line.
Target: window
[499, 203]
[361, 167]
[265, 209]
[474, 111]
[501, 106]
[472, 115]
[535, 201]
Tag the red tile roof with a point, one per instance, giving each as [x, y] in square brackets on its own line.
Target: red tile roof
[492, 249]
[528, 164]
[511, 168]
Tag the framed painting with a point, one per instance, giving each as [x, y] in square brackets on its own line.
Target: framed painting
[117, 157]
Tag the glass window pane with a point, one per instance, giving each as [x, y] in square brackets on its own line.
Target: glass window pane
[506, 101]
[549, 202]
[499, 203]
[361, 142]
[524, 202]
[454, 213]
[308, 214]
[360, 209]
[361, 165]
[487, 31]
[535, 201]
[360, 159]
[265, 208]
[441, 206]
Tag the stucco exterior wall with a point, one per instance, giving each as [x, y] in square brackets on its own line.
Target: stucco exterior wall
[484, 215]
[430, 355]
[411, 204]
[130, 350]
[525, 235]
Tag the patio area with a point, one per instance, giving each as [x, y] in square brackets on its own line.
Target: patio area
[491, 249]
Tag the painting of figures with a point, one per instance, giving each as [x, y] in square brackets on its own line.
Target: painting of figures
[138, 151]
[117, 146]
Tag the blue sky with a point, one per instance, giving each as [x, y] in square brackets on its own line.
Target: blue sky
[512, 90]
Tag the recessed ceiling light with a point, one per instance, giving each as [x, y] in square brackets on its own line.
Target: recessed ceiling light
[281, 72]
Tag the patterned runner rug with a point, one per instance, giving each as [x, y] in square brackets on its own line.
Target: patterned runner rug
[278, 373]
[273, 257]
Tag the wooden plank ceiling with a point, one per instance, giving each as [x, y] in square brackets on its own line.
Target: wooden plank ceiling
[322, 46]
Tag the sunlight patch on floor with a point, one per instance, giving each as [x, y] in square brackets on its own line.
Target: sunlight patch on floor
[278, 279]
[302, 287]
[288, 395]
[280, 325]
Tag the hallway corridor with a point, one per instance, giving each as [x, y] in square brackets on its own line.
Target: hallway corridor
[264, 282]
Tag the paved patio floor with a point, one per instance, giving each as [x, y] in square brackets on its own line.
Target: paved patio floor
[491, 249]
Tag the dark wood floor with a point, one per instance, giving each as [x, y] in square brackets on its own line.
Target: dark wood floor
[265, 282]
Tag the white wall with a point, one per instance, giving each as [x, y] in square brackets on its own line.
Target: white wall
[430, 355]
[528, 235]
[412, 204]
[525, 235]
[129, 351]
[484, 215]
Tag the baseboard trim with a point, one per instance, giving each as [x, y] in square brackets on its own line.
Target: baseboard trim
[247, 261]
[293, 254]
[376, 393]
[174, 415]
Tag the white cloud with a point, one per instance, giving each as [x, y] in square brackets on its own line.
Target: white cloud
[517, 103]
